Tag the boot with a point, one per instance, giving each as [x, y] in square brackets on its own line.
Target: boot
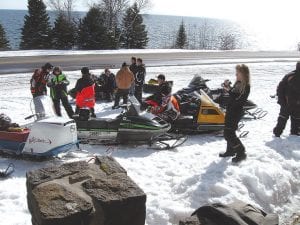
[228, 153]
[240, 153]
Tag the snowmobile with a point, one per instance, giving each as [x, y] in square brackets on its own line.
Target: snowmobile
[47, 136]
[198, 113]
[152, 86]
[221, 97]
[129, 127]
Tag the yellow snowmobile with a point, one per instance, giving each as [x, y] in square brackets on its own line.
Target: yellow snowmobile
[199, 113]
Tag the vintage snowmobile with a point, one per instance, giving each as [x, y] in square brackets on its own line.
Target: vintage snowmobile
[129, 127]
[221, 97]
[47, 136]
[198, 113]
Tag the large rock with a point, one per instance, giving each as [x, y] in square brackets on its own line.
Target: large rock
[81, 193]
[236, 213]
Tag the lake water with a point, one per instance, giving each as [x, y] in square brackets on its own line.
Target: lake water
[203, 33]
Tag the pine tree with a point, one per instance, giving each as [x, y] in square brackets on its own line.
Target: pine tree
[92, 31]
[36, 30]
[181, 40]
[63, 33]
[134, 33]
[4, 43]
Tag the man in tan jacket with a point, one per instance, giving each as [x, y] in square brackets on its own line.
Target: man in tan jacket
[124, 80]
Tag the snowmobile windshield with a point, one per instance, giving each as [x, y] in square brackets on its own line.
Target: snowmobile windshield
[42, 107]
[134, 107]
[197, 81]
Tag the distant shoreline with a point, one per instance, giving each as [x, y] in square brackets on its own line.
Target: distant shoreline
[16, 62]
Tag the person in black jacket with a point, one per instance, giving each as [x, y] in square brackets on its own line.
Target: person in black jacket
[139, 79]
[107, 83]
[238, 95]
[84, 82]
[288, 93]
[133, 69]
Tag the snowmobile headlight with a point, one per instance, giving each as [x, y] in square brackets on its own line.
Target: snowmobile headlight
[73, 128]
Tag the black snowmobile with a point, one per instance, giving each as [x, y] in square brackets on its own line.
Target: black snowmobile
[130, 127]
[221, 97]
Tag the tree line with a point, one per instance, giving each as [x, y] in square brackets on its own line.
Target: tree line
[110, 24]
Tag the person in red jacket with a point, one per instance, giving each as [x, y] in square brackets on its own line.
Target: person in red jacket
[85, 92]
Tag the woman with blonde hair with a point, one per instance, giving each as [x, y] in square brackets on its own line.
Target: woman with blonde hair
[238, 95]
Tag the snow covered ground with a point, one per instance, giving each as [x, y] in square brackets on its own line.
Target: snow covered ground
[179, 181]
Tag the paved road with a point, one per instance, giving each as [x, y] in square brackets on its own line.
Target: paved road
[19, 64]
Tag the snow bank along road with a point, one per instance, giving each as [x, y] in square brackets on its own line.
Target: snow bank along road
[25, 61]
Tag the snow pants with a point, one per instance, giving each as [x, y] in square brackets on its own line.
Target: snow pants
[283, 117]
[66, 105]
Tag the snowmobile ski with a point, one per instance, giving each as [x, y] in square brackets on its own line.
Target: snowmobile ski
[167, 141]
[8, 171]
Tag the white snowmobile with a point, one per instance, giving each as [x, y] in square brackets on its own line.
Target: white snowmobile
[48, 135]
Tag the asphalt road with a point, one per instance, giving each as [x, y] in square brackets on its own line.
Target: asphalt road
[21, 64]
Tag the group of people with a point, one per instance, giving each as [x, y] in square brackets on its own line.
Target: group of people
[130, 80]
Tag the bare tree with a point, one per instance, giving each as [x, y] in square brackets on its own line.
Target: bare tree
[144, 4]
[228, 41]
[63, 6]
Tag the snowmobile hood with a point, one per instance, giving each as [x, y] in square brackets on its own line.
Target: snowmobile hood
[56, 120]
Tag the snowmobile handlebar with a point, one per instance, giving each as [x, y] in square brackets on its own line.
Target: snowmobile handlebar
[29, 117]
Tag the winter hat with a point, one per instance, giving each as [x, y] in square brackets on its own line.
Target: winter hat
[48, 66]
[85, 70]
[161, 77]
[57, 69]
[124, 64]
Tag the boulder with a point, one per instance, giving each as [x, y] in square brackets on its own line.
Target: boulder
[236, 213]
[81, 193]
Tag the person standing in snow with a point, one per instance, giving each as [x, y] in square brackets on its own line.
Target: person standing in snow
[85, 92]
[124, 80]
[39, 79]
[139, 79]
[238, 95]
[58, 83]
[38, 87]
[288, 92]
[133, 69]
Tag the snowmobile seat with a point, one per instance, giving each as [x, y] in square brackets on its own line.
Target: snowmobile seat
[99, 123]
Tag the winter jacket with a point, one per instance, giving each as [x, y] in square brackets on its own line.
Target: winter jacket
[133, 68]
[293, 94]
[234, 109]
[86, 97]
[140, 75]
[58, 86]
[83, 82]
[38, 82]
[124, 78]
[85, 92]
[288, 90]
[163, 89]
[107, 82]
